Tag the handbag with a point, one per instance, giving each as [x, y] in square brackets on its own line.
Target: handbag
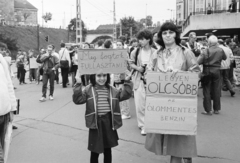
[206, 77]
[16, 112]
[234, 64]
[64, 63]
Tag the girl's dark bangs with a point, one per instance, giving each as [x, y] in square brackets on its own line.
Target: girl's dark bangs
[169, 26]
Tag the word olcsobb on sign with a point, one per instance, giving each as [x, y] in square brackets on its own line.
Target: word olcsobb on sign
[172, 88]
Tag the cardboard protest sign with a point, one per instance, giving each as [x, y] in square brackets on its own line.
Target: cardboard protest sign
[33, 63]
[237, 69]
[104, 60]
[171, 105]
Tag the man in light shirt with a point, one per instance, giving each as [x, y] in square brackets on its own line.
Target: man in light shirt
[64, 56]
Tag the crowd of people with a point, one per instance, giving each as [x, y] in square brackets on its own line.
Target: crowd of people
[107, 95]
[164, 51]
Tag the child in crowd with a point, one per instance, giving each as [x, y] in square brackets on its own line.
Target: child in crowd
[103, 115]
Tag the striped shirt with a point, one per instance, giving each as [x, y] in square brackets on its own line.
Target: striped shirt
[103, 106]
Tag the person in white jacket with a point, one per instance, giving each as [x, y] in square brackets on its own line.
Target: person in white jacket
[8, 102]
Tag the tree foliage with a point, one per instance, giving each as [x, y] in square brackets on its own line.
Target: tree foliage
[47, 17]
[26, 14]
[128, 23]
[10, 42]
[72, 29]
[147, 21]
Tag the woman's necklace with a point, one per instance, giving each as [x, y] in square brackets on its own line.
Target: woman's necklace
[167, 56]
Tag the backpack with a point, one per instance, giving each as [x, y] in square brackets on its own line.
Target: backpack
[195, 51]
[38, 59]
[137, 53]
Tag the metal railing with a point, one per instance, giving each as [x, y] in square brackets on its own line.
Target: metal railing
[207, 12]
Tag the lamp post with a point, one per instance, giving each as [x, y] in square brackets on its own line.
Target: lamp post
[171, 10]
[42, 13]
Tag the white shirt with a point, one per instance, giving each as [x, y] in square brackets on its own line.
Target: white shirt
[225, 64]
[145, 57]
[7, 96]
[64, 55]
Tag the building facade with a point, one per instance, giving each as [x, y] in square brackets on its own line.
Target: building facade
[186, 7]
[6, 12]
[25, 13]
[18, 12]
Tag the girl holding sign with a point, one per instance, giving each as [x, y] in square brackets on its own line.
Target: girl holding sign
[103, 115]
[171, 57]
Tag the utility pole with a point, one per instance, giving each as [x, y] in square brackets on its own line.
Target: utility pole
[78, 22]
[130, 32]
[114, 23]
[38, 38]
[120, 29]
[171, 10]
[63, 25]
[146, 10]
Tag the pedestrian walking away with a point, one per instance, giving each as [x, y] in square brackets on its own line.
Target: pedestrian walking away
[65, 64]
[211, 60]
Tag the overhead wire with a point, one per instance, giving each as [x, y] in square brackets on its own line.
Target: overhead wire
[98, 8]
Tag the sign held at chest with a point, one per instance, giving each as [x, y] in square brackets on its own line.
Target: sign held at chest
[183, 84]
[171, 104]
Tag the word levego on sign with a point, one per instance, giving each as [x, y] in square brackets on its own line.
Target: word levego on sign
[184, 84]
[91, 61]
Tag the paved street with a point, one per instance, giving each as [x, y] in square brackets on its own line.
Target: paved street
[55, 132]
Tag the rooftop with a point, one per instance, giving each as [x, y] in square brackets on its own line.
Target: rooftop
[105, 27]
[24, 4]
[101, 31]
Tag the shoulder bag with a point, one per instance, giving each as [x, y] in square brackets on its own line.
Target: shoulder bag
[206, 77]
[64, 63]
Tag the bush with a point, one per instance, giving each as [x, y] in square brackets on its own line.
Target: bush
[10, 42]
[101, 38]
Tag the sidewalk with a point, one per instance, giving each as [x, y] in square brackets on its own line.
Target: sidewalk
[55, 132]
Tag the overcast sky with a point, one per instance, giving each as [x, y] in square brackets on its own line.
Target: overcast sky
[96, 12]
